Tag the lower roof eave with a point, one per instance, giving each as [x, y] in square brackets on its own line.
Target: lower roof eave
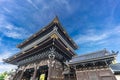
[91, 60]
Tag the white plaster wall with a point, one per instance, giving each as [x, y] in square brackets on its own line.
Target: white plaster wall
[117, 77]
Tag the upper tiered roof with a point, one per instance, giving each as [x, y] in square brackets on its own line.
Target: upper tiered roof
[40, 33]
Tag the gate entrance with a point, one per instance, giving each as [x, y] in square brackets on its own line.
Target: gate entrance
[42, 73]
[28, 74]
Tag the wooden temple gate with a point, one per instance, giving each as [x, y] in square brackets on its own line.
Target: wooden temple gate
[45, 53]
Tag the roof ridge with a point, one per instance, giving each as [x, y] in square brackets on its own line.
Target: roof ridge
[90, 53]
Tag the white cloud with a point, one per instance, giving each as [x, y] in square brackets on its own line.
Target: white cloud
[116, 30]
[64, 3]
[7, 10]
[0, 41]
[93, 36]
[32, 3]
[90, 38]
[6, 67]
[12, 31]
[118, 57]
[5, 55]
[6, 52]
[51, 5]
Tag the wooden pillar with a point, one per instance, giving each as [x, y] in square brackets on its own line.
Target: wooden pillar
[21, 75]
[16, 75]
[35, 72]
[69, 76]
[49, 70]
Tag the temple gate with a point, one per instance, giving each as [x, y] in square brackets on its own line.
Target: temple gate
[50, 54]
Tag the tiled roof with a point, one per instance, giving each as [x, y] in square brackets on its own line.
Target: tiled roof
[115, 67]
[91, 56]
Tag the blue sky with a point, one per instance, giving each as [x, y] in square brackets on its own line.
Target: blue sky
[93, 24]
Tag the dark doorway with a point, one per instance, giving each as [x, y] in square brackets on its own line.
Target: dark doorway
[43, 70]
[28, 74]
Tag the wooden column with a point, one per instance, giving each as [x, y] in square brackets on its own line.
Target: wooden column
[21, 75]
[49, 70]
[69, 76]
[35, 72]
[16, 75]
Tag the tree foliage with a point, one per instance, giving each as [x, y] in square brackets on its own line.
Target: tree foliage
[3, 75]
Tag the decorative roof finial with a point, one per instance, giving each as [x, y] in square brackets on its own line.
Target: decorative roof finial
[56, 20]
[115, 52]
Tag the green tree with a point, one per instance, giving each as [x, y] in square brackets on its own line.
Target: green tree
[3, 75]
